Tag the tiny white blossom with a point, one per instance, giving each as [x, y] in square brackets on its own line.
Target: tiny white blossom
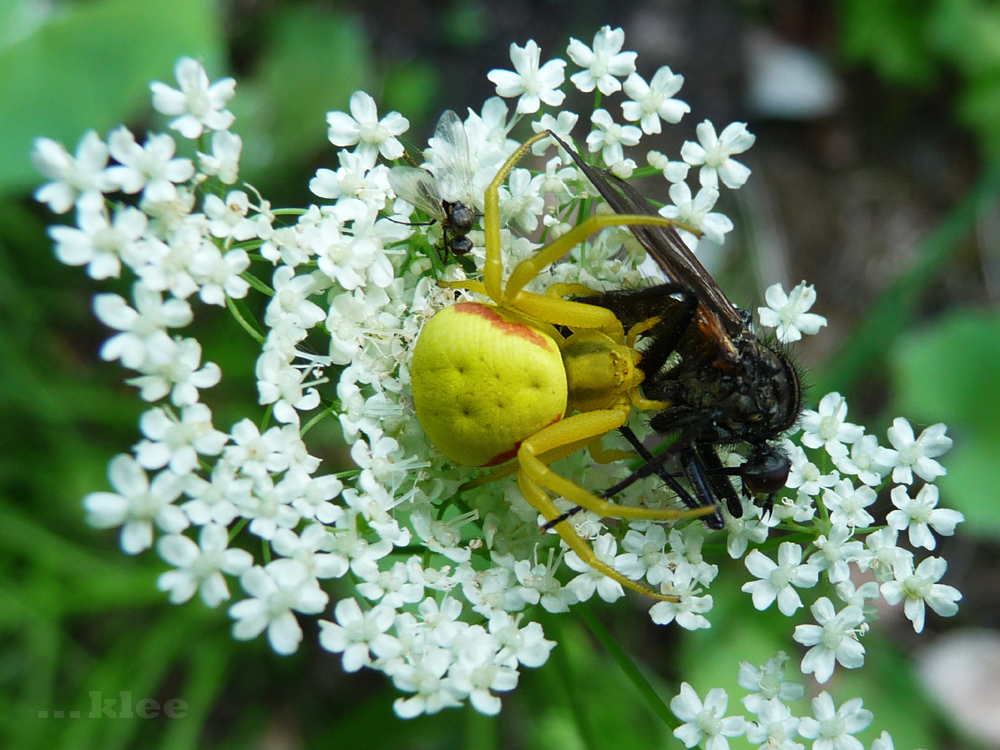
[199, 104]
[358, 177]
[153, 168]
[602, 63]
[881, 553]
[527, 645]
[200, 566]
[775, 727]
[218, 274]
[176, 370]
[777, 579]
[562, 126]
[788, 314]
[914, 455]
[71, 176]
[539, 585]
[859, 597]
[915, 588]
[768, 682]
[834, 552]
[608, 137]
[674, 171]
[269, 505]
[443, 537]
[102, 243]
[805, 475]
[801, 508]
[224, 161]
[215, 500]
[705, 723]
[653, 101]
[832, 728]
[363, 129]
[359, 635]
[286, 386]
[713, 153]
[697, 211]
[424, 675]
[920, 514]
[834, 639]
[644, 556]
[861, 460]
[227, 219]
[142, 338]
[477, 672]
[178, 442]
[826, 427]
[277, 590]
[136, 504]
[847, 504]
[591, 579]
[689, 611]
[745, 529]
[307, 547]
[531, 83]
[524, 203]
[394, 587]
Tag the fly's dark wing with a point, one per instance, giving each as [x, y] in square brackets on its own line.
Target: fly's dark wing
[664, 244]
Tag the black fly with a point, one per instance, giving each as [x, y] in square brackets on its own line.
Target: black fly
[446, 194]
[725, 386]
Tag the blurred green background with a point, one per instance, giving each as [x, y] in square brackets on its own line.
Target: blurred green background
[884, 196]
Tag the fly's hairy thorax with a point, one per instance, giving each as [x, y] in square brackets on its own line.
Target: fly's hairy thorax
[753, 393]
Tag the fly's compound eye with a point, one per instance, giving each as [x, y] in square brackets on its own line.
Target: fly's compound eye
[765, 471]
[461, 245]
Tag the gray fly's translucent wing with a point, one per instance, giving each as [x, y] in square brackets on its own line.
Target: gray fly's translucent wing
[419, 188]
[449, 159]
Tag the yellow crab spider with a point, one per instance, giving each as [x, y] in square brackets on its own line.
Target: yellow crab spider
[497, 381]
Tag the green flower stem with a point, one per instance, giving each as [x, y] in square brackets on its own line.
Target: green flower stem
[627, 666]
[238, 310]
[257, 284]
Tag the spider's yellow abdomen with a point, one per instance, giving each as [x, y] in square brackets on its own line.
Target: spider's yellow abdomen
[483, 381]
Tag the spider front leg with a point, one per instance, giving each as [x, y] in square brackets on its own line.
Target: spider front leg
[535, 477]
[581, 429]
[544, 505]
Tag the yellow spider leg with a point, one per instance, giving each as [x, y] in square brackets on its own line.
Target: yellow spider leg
[640, 328]
[585, 427]
[512, 467]
[544, 505]
[603, 455]
[566, 289]
[573, 315]
[493, 270]
[529, 268]
[472, 285]
[644, 404]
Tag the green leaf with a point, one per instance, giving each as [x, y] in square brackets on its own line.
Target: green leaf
[949, 373]
[889, 35]
[90, 68]
[865, 349]
[314, 63]
[890, 690]
[979, 108]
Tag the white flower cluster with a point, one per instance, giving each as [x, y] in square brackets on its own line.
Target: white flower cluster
[772, 725]
[433, 586]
